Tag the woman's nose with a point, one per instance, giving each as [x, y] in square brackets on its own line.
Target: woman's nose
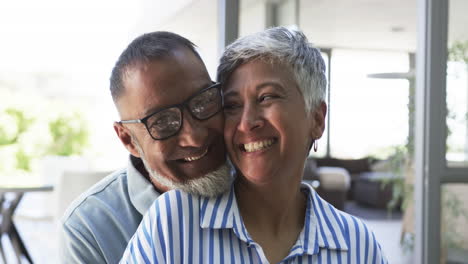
[251, 119]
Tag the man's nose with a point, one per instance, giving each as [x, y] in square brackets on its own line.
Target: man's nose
[193, 132]
[251, 118]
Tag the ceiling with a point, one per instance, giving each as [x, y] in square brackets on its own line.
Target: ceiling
[369, 24]
[362, 24]
[373, 24]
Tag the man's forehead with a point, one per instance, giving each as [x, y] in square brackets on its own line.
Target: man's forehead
[150, 85]
[139, 94]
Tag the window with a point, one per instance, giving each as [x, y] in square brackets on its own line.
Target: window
[368, 116]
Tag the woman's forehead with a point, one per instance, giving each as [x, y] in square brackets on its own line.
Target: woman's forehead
[259, 74]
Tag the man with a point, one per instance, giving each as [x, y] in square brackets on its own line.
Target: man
[172, 125]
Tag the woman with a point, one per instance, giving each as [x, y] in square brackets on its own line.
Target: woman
[274, 85]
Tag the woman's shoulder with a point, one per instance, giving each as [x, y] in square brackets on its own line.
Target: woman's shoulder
[174, 200]
[174, 195]
[357, 231]
[352, 227]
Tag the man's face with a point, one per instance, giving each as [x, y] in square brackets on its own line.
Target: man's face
[198, 148]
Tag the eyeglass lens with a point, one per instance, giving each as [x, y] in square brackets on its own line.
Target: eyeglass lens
[205, 104]
[166, 123]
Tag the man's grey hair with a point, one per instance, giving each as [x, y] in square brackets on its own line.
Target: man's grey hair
[144, 49]
[211, 184]
[285, 46]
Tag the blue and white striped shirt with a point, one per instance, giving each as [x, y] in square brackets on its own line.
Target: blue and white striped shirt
[183, 228]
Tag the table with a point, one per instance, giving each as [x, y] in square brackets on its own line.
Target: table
[10, 197]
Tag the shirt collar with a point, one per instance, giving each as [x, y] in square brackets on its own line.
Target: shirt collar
[218, 212]
[323, 227]
[223, 212]
[141, 191]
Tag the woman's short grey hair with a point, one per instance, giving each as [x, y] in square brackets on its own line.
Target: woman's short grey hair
[280, 45]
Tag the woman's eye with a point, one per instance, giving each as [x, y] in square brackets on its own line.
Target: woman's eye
[267, 97]
[230, 106]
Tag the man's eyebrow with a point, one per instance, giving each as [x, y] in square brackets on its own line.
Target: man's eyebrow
[151, 111]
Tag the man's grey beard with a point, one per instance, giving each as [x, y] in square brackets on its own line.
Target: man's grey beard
[211, 184]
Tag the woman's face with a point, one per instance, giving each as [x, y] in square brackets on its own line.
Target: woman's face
[267, 130]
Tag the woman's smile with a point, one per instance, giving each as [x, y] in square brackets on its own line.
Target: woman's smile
[256, 146]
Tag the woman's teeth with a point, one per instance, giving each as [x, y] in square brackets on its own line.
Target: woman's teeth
[196, 157]
[258, 145]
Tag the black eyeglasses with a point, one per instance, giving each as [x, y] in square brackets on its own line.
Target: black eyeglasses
[168, 121]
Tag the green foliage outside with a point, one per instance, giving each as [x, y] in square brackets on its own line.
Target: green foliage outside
[23, 160]
[14, 124]
[68, 134]
[402, 192]
[458, 51]
[453, 207]
[453, 211]
[21, 123]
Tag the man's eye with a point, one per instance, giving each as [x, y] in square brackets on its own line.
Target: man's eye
[160, 122]
[163, 122]
[203, 101]
[199, 109]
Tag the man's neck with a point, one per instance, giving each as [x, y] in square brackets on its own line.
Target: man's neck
[140, 167]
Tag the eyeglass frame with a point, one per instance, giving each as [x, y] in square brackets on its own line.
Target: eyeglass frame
[181, 107]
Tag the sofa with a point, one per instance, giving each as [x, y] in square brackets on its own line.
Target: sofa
[364, 185]
[331, 183]
[355, 168]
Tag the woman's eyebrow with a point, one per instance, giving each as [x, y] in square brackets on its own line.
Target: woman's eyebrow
[230, 94]
[276, 85]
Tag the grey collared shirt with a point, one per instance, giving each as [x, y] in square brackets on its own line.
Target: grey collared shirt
[97, 226]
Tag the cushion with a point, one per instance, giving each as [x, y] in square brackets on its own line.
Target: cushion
[334, 178]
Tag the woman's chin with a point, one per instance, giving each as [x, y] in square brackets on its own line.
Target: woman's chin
[257, 177]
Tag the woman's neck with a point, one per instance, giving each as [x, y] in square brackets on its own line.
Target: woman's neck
[273, 215]
[271, 204]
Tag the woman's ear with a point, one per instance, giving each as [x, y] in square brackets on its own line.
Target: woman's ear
[126, 139]
[318, 120]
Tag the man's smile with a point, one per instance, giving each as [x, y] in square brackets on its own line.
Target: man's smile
[196, 157]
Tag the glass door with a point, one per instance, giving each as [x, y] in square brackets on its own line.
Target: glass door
[441, 139]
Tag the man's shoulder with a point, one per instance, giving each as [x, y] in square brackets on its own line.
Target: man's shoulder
[111, 191]
[100, 222]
